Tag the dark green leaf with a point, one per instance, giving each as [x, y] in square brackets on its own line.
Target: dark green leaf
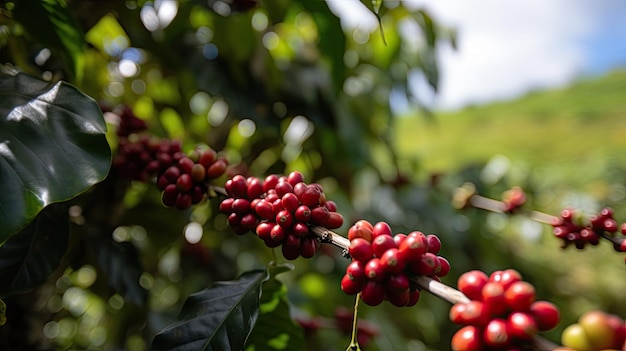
[220, 317]
[51, 23]
[376, 7]
[52, 147]
[332, 42]
[275, 330]
[28, 257]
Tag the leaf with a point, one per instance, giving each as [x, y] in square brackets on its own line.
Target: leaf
[275, 330]
[52, 147]
[376, 7]
[52, 24]
[30, 256]
[332, 40]
[220, 317]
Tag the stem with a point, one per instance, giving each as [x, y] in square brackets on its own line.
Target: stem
[354, 343]
[496, 206]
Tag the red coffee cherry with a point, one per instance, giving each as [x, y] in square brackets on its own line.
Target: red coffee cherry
[381, 244]
[373, 293]
[350, 286]
[522, 325]
[361, 229]
[471, 284]
[360, 250]
[468, 338]
[381, 228]
[374, 270]
[519, 296]
[545, 314]
[390, 261]
[496, 333]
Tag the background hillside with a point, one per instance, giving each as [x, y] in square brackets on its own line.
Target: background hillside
[573, 135]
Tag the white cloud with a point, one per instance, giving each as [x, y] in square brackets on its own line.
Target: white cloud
[509, 47]
[506, 48]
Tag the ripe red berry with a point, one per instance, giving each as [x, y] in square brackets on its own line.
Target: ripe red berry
[522, 325]
[249, 221]
[390, 261]
[265, 209]
[311, 196]
[334, 220]
[413, 247]
[300, 229]
[374, 270]
[381, 228]
[468, 338]
[217, 168]
[241, 206]
[237, 186]
[434, 244]
[330, 205]
[255, 188]
[397, 282]
[519, 296]
[398, 298]
[295, 177]
[264, 229]
[184, 182]
[308, 247]
[207, 157]
[427, 265]
[475, 313]
[399, 238]
[444, 266]
[545, 314]
[356, 270]
[293, 241]
[284, 218]
[290, 202]
[290, 252]
[303, 213]
[471, 284]
[493, 296]
[381, 244]
[185, 164]
[361, 229]
[278, 234]
[456, 313]
[496, 333]
[414, 297]
[270, 182]
[170, 193]
[373, 293]
[360, 250]
[350, 286]
[283, 188]
[319, 215]
[506, 277]
[183, 201]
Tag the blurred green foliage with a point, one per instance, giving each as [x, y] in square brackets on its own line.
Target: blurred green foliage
[277, 86]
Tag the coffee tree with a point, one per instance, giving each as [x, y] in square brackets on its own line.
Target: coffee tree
[221, 175]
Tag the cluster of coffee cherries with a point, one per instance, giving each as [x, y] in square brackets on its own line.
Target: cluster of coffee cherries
[140, 156]
[185, 181]
[383, 264]
[280, 210]
[573, 228]
[502, 313]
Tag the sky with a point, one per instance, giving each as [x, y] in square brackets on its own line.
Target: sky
[508, 48]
